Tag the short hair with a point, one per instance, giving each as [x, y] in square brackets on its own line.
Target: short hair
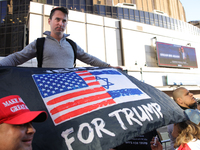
[177, 93]
[63, 9]
[187, 132]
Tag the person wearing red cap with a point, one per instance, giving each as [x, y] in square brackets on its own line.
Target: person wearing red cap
[16, 130]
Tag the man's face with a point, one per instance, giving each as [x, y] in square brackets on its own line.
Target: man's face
[16, 137]
[58, 22]
[187, 100]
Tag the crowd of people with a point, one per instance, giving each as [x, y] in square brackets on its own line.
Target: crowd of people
[58, 53]
[184, 135]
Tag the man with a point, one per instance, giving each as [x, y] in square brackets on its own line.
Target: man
[16, 130]
[185, 100]
[58, 53]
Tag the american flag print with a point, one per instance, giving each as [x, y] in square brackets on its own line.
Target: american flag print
[72, 94]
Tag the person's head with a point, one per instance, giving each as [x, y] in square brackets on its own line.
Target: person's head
[186, 131]
[62, 9]
[184, 98]
[58, 20]
[16, 130]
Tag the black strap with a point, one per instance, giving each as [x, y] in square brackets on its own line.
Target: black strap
[40, 46]
[74, 47]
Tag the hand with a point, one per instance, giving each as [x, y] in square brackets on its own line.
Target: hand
[116, 67]
[157, 146]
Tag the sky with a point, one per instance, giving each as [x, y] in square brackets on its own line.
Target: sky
[192, 9]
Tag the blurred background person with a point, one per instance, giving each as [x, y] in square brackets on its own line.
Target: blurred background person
[187, 133]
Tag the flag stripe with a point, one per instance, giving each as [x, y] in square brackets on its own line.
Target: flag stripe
[89, 78]
[84, 73]
[83, 110]
[79, 102]
[75, 94]
[93, 83]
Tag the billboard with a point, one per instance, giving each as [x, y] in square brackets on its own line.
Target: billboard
[172, 55]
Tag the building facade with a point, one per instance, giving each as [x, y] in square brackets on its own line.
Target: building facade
[121, 36]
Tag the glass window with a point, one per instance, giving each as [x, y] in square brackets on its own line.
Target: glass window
[63, 3]
[56, 2]
[114, 12]
[89, 2]
[89, 9]
[2, 40]
[137, 17]
[168, 23]
[120, 13]
[83, 5]
[3, 10]
[96, 9]
[180, 25]
[147, 21]
[70, 4]
[126, 13]
[132, 14]
[160, 20]
[83, 2]
[164, 22]
[76, 2]
[108, 11]
[175, 24]
[102, 10]
[172, 24]
[141, 16]
[156, 19]
[77, 5]
[151, 15]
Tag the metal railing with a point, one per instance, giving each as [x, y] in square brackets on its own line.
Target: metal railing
[164, 144]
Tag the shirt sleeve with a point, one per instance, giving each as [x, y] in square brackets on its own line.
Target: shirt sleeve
[20, 57]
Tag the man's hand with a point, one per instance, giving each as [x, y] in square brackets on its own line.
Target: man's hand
[156, 146]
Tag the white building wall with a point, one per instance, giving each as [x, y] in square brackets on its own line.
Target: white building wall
[104, 38]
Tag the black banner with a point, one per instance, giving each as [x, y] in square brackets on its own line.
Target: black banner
[88, 108]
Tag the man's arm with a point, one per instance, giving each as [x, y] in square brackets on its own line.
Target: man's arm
[20, 57]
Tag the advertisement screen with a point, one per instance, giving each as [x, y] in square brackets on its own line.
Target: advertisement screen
[176, 55]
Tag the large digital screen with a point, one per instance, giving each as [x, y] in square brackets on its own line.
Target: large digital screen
[172, 55]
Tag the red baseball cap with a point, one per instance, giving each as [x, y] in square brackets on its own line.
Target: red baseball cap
[14, 111]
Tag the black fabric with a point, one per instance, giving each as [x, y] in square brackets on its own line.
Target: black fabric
[40, 46]
[101, 129]
[74, 47]
[141, 142]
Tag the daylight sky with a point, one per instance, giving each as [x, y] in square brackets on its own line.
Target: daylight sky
[192, 9]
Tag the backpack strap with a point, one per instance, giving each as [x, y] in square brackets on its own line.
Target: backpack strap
[39, 47]
[74, 47]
